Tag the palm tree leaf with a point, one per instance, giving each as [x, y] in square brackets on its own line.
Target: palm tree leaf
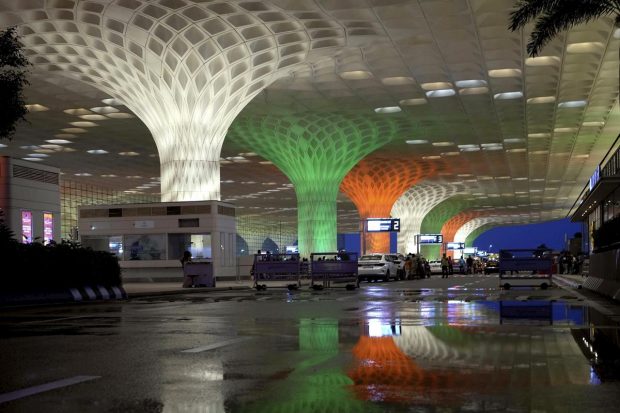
[575, 12]
[529, 9]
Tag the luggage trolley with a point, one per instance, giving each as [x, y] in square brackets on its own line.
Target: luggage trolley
[334, 266]
[534, 266]
[198, 274]
[276, 267]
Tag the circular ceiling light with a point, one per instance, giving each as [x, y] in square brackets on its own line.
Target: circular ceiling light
[470, 83]
[83, 174]
[572, 104]
[416, 141]
[505, 73]
[58, 141]
[93, 117]
[440, 93]
[128, 153]
[388, 109]
[33, 159]
[508, 95]
[83, 124]
[443, 143]
[38, 155]
[97, 151]
[109, 176]
[356, 75]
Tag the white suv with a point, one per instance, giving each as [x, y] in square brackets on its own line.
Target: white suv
[377, 267]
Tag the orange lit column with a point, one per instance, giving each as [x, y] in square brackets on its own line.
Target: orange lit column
[453, 224]
[375, 184]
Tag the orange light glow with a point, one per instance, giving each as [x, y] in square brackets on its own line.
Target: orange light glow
[375, 184]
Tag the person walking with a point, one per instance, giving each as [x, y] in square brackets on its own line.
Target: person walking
[444, 266]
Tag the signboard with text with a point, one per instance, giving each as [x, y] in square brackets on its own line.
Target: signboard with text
[48, 227]
[430, 239]
[450, 246]
[26, 226]
[383, 225]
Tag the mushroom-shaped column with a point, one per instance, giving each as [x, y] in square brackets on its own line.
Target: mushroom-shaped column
[470, 227]
[185, 68]
[433, 222]
[413, 206]
[479, 231]
[374, 185]
[315, 151]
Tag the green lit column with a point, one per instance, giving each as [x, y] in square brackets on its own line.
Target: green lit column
[434, 220]
[315, 151]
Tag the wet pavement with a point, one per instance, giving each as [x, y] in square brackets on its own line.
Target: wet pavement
[455, 345]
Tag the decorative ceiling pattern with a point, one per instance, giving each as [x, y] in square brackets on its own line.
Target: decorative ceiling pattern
[139, 95]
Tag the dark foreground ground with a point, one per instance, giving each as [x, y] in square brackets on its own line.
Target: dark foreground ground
[455, 345]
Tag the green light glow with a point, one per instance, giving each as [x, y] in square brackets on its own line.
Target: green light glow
[315, 151]
[434, 220]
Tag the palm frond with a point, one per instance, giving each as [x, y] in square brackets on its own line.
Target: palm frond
[529, 9]
[575, 12]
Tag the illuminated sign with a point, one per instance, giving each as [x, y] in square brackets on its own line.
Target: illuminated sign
[430, 239]
[455, 245]
[471, 250]
[48, 227]
[383, 225]
[26, 226]
[596, 176]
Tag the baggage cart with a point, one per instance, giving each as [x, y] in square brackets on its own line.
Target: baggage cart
[525, 268]
[198, 274]
[276, 267]
[326, 267]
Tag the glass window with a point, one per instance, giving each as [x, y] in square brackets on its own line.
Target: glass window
[111, 243]
[147, 247]
[201, 246]
[198, 244]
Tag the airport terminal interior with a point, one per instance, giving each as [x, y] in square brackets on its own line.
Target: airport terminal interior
[301, 151]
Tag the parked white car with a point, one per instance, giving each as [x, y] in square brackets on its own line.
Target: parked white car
[377, 267]
[435, 267]
[399, 260]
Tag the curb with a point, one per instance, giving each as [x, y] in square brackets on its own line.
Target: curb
[65, 296]
[568, 282]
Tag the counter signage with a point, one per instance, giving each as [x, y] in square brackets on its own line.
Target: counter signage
[383, 225]
[455, 245]
[430, 239]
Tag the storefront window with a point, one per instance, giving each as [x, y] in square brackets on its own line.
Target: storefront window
[198, 244]
[147, 247]
[111, 243]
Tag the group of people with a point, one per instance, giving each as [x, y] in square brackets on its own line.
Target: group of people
[569, 263]
[416, 266]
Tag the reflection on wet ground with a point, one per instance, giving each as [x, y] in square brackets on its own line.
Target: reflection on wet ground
[376, 350]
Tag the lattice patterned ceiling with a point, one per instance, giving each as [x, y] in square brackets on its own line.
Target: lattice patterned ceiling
[514, 132]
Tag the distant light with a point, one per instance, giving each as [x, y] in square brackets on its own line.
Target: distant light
[93, 117]
[473, 83]
[508, 95]
[48, 147]
[505, 73]
[397, 81]
[474, 91]
[119, 115]
[443, 143]
[450, 153]
[77, 111]
[538, 135]
[585, 47]
[133, 177]
[58, 141]
[516, 150]
[564, 130]
[128, 153]
[541, 99]
[356, 75]
[37, 108]
[2, 145]
[416, 141]
[109, 176]
[589, 124]
[542, 61]
[104, 110]
[83, 174]
[33, 159]
[436, 85]
[440, 93]
[513, 140]
[413, 102]
[112, 102]
[266, 163]
[432, 157]
[37, 155]
[83, 124]
[572, 104]
[388, 109]
[97, 151]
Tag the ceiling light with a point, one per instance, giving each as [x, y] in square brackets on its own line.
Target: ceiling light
[109, 176]
[450, 153]
[541, 99]
[97, 151]
[112, 102]
[588, 124]
[539, 152]
[542, 61]
[564, 130]
[50, 147]
[77, 111]
[516, 150]
[33, 159]
[585, 47]
[58, 141]
[388, 109]
[440, 93]
[104, 110]
[505, 73]
[248, 154]
[413, 102]
[436, 85]
[513, 140]
[473, 83]
[119, 115]
[83, 174]
[2, 145]
[128, 153]
[93, 117]
[443, 143]
[266, 163]
[471, 149]
[416, 141]
[356, 75]
[83, 124]
[538, 135]
[38, 155]
[474, 91]
[431, 157]
[133, 177]
[508, 95]
[36, 108]
[572, 104]
[397, 81]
